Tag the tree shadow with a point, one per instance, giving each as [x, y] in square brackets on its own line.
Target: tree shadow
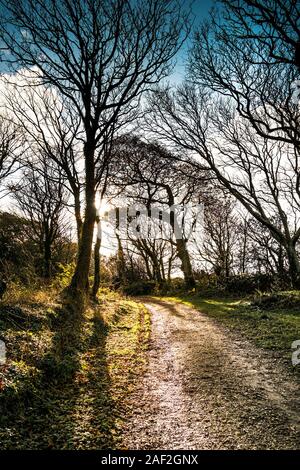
[171, 307]
[67, 403]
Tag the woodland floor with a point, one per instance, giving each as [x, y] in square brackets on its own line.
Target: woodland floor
[67, 378]
[207, 387]
[217, 376]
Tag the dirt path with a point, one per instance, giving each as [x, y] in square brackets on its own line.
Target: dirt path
[206, 388]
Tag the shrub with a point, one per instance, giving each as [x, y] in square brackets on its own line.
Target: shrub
[63, 278]
[177, 283]
[247, 284]
[277, 300]
[140, 288]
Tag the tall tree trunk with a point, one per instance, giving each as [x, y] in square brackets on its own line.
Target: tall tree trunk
[162, 268]
[182, 250]
[169, 268]
[244, 249]
[186, 265]
[294, 264]
[96, 283]
[148, 270]
[156, 271]
[280, 262]
[80, 280]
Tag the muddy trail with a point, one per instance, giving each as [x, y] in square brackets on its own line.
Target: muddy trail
[207, 388]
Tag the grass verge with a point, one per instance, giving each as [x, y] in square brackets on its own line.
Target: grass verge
[271, 321]
[68, 378]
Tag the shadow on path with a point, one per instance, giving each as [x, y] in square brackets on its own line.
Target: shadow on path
[66, 404]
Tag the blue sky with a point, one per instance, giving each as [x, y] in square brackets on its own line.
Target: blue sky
[200, 7]
[200, 10]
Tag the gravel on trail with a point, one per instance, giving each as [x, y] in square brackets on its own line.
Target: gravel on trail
[207, 388]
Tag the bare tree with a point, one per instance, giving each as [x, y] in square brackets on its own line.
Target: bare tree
[238, 65]
[150, 175]
[101, 55]
[151, 251]
[156, 255]
[11, 147]
[272, 25]
[41, 197]
[220, 236]
[265, 254]
[262, 175]
[51, 127]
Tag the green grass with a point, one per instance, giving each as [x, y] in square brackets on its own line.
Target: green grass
[68, 377]
[270, 324]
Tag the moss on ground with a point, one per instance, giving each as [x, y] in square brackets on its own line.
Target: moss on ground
[68, 377]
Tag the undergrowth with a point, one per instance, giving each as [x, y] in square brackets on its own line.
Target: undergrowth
[68, 376]
[271, 320]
